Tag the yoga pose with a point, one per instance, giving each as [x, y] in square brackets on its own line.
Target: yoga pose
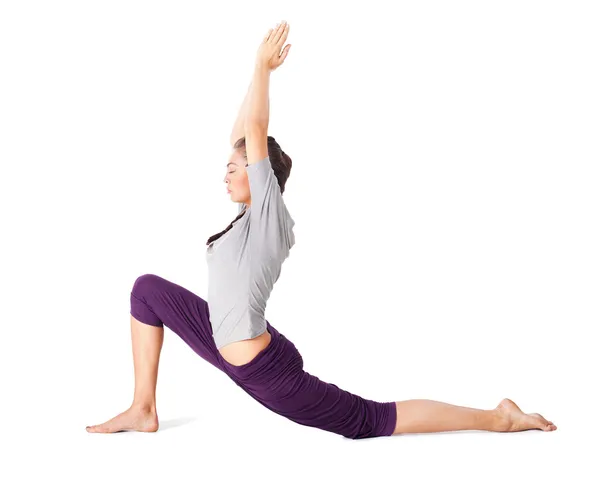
[229, 328]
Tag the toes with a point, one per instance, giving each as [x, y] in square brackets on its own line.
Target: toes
[542, 424]
[96, 428]
[545, 425]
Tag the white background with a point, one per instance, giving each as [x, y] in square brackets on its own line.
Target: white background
[445, 192]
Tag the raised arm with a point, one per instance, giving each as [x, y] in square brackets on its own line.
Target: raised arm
[238, 127]
[271, 225]
[269, 57]
[237, 131]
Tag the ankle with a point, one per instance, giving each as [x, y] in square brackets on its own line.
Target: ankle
[146, 407]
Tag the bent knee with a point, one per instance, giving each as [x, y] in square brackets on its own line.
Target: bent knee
[145, 283]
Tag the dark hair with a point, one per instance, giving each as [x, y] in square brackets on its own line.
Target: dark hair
[281, 164]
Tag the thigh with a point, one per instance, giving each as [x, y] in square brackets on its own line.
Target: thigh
[276, 378]
[157, 301]
[324, 405]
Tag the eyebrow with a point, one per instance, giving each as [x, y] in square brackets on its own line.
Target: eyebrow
[231, 163]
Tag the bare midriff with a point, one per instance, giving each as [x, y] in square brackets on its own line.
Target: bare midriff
[242, 352]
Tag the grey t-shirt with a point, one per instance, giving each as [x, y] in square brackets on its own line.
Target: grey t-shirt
[244, 263]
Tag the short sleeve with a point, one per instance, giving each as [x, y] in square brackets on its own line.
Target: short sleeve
[271, 225]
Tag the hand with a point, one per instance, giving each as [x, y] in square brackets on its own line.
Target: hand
[269, 53]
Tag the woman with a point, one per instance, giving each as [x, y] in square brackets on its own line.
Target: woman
[244, 262]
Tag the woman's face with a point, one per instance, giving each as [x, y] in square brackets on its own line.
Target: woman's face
[236, 178]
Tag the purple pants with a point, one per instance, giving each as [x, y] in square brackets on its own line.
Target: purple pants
[275, 377]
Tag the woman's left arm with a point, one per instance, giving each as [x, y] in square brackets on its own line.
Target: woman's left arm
[269, 57]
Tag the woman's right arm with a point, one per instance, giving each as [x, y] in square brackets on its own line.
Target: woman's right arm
[238, 127]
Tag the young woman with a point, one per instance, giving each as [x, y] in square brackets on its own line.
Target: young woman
[229, 329]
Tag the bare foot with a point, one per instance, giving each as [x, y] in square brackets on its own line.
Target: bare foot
[512, 419]
[134, 419]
